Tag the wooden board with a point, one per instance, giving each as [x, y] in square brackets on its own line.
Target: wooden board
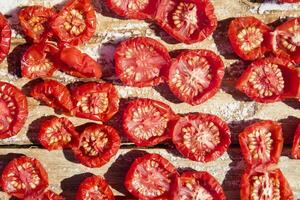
[229, 104]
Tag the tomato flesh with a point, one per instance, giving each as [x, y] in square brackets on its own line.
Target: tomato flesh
[149, 177]
[201, 137]
[47, 195]
[95, 101]
[139, 61]
[145, 122]
[296, 144]
[269, 80]
[94, 187]
[97, 145]
[24, 177]
[14, 110]
[5, 37]
[196, 75]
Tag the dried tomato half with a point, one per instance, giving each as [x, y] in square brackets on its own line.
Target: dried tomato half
[75, 23]
[261, 143]
[201, 137]
[265, 185]
[296, 144]
[97, 145]
[196, 75]
[79, 64]
[57, 133]
[54, 94]
[139, 61]
[34, 21]
[247, 36]
[193, 185]
[5, 37]
[146, 122]
[95, 101]
[13, 110]
[24, 177]
[149, 177]
[187, 21]
[285, 40]
[94, 187]
[269, 80]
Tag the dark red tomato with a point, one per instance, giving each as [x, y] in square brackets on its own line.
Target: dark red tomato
[95, 101]
[24, 177]
[261, 143]
[146, 122]
[5, 37]
[149, 177]
[34, 21]
[57, 133]
[79, 64]
[201, 137]
[188, 21]
[139, 61]
[247, 36]
[48, 195]
[75, 23]
[285, 40]
[54, 94]
[13, 110]
[93, 188]
[97, 145]
[265, 185]
[270, 80]
[196, 185]
[196, 75]
[296, 144]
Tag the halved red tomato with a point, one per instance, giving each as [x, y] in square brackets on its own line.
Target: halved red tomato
[139, 61]
[34, 21]
[196, 185]
[97, 145]
[247, 36]
[95, 101]
[146, 122]
[187, 21]
[296, 144]
[269, 80]
[149, 177]
[54, 94]
[13, 110]
[5, 37]
[79, 64]
[201, 137]
[24, 177]
[261, 143]
[57, 133]
[265, 185]
[94, 187]
[285, 40]
[75, 23]
[48, 195]
[196, 75]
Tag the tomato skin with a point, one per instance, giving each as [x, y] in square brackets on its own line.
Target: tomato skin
[89, 18]
[79, 64]
[38, 13]
[12, 167]
[202, 178]
[5, 37]
[296, 144]
[217, 71]
[108, 151]
[91, 182]
[242, 23]
[90, 88]
[290, 76]
[48, 195]
[18, 115]
[288, 1]
[54, 94]
[197, 120]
